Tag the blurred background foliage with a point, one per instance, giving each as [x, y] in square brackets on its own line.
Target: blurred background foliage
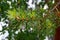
[27, 23]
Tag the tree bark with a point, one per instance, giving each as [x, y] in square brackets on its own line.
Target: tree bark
[57, 34]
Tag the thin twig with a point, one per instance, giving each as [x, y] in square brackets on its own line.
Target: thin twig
[56, 6]
[57, 10]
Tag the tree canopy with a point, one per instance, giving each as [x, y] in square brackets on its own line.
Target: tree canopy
[29, 19]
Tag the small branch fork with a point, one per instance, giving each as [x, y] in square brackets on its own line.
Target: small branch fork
[55, 7]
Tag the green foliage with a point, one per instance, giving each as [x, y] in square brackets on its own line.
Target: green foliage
[20, 16]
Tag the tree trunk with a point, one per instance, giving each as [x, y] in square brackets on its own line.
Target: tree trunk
[57, 34]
